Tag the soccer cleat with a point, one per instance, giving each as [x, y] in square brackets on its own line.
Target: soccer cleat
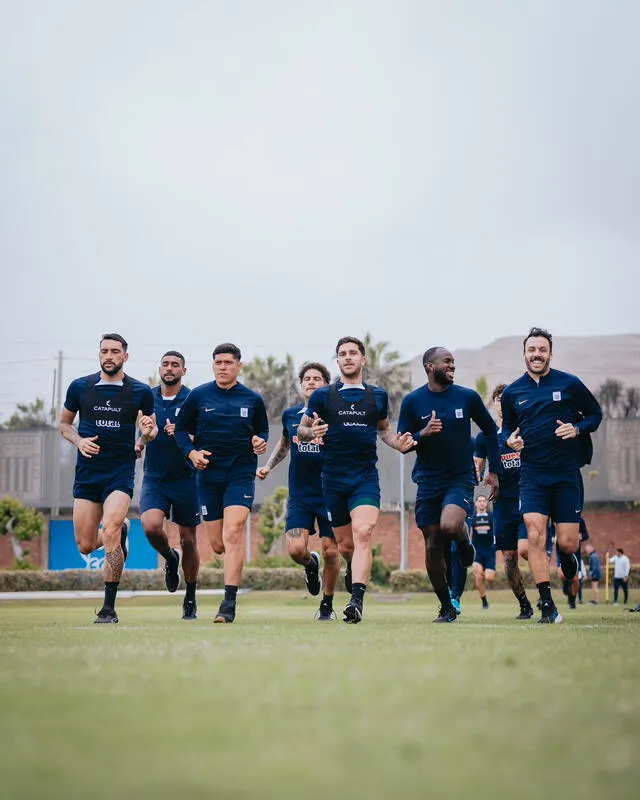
[572, 601]
[106, 615]
[325, 613]
[226, 612]
[446, 615]
[455, 602]
[550, 615]
[171, 570]
[566, 588]
[189, 609]
[526, 612]
[348, 580]
[312, 575]
[485, 602]
[353, 611]
[124, 536]
[466, 552]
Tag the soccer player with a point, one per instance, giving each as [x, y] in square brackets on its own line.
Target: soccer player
[548, 416]
[508, 525]
[228, 423]
[305, 507]
[595, 574]
[169, 485]
[109, 403]
[349, 415]
[438, 416]
[482, 538]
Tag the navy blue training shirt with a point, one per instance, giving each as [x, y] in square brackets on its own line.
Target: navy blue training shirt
[163, 459]
[109, 411]
[223, 421]
[305, 466]
[535, 407]
[351, 442]
[509, 472]
[482, 529]
[447, 455]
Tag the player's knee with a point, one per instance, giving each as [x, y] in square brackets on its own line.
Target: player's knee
[362, 533]
[295, 547]
[330, 552]
[451, 529]
[85, 549]
[346, 549]
[187, 540]
[490, 575]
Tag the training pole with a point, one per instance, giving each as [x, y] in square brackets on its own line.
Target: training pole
[606, 578]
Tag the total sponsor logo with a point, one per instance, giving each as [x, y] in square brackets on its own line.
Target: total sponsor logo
[308, 447]
[510, 460]
[107, 423]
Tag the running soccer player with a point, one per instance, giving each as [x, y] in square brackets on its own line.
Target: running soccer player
[508, 525]
[228, 423]
[306, 508]
[349, 415]
[169, 486]
[110, 404]
[548, 417]
[438, 416]
[482, 538]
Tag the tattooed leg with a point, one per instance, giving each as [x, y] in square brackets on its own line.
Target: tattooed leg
[113, 565]
[298, 545]
[512, 570]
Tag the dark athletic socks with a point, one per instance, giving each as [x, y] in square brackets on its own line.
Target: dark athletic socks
[230, 593]
[545, 591]
[110, 592]
[358, 591]
[190, 594]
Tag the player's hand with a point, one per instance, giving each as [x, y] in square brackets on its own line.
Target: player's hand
[146, 425]
[492, 482]
[433, 426]
[139, 447]
[199, 458]
[88, 446]
[565, 430]
[515, 441]
[169, 427]
[259, 445]
[404, 442]
[262, 472]
[318, 426]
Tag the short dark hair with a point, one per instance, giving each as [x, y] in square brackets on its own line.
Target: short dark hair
[538, 332]
[620, 550]
[352, 340]
[429, 354]
[317, 366]
[174, 353]
[116, 338]
[497, 392]
[227, 347]
[478, 496]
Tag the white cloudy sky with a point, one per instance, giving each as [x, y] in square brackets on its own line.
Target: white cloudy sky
[281, 173]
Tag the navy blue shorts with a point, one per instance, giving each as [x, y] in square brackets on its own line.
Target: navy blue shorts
[299, 516]
[178, 500]
[215, 497]
[486, 557]
[429, 506]
[97, 488]
[559, 496]
[508, 524]
[341, 501]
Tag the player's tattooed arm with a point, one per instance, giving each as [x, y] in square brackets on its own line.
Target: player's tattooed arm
[279, 454]
[311, 428]
[88, 446]
[402, 442]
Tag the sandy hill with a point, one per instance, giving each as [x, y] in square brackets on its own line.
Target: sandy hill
[592, 358]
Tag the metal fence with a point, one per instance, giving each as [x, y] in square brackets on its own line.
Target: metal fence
[28, 460]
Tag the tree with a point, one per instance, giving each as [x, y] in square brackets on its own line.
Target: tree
[384, 368]
[631, 402]
[31, 415]
[20, 523]
[272, 518]
[482, 387]
[609, 395]
[275, 380]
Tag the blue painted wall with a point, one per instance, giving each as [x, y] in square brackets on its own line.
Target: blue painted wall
[63, 552]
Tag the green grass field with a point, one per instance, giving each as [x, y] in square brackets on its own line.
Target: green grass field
[280, 706]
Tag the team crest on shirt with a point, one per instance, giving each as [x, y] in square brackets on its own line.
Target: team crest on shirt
[459, 413]
[557, 395]
[244, 411]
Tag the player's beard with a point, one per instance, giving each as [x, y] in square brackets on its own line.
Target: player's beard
[169, 381]
[112, 369]
[442, 378]
[538, 369]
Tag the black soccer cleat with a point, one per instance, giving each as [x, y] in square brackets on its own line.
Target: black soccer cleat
[348, 580]
[124, 537]
[226, 612]
[172, 570]
[485, 602]
[325, 613]
[526, 612]
[189, 609]
[352, 613]
[446, 615]
[106, 615]
[550, 614]
[466, 552]
[572, 601]
[312, 575]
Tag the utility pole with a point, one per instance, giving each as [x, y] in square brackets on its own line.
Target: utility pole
[55, 483]
[404, 544]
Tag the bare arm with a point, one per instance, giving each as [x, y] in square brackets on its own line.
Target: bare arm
[402, 442]
[148, 427]
[88, 447]
[279, 454]
[310, 429]
[479, 464]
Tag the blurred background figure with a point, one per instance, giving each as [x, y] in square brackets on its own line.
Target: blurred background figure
[595, 573]
[621, 570]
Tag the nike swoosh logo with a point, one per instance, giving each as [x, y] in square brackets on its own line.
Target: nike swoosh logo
[210, 409]
[520, 402]
[248, 496]
[426, 416]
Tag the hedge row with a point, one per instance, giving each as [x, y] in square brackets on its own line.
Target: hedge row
[253, 578]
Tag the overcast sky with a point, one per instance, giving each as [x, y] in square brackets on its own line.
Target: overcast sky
[279, 174]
